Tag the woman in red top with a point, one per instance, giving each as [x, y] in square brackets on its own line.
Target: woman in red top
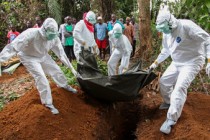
[12, 34]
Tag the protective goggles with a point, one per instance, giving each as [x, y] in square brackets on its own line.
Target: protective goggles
[92, 20]
[164, 27]
[50, 35]
[117, 35]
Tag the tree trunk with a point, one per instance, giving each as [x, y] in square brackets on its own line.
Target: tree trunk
[107, 9]
[145, 30]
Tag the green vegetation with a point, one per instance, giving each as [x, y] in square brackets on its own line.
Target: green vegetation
[72, 79]
[7, 98]
[18, 13]
[69, 75]
[102, 65]
[196, 10]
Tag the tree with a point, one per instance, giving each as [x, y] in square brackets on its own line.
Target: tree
[145, 29]
[122, 8]
[74, 8]
[107, 9]
[196, 10]
[17, 13]
[54, 10]
[154, 9]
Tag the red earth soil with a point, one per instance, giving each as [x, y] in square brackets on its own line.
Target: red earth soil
[193, 124]
[82, 117]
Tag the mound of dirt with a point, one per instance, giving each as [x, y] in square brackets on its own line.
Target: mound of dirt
[26, 118]
[193, 124]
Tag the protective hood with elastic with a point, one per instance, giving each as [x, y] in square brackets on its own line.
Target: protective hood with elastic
[166, 22]
[117, 30]
[49, 29]
[91, 17]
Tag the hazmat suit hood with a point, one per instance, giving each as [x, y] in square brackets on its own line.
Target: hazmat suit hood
[167, 16]
[91, 17]
[49, 25]
[117, 30]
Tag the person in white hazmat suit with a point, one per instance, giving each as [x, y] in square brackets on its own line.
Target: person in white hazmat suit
[187, 44]
[84, 35]
[121, 49]
[32, 47]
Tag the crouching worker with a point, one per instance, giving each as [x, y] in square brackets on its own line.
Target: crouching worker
[84, 34]
[121, 49]
[32, 47]
[185, 42]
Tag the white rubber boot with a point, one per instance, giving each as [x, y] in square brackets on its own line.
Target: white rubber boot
[166, 126]
[52, 109]
[69, 88]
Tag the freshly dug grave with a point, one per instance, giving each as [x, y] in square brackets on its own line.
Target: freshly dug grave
[82, 117]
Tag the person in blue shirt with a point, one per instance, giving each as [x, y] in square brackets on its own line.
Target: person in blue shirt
[101, 34]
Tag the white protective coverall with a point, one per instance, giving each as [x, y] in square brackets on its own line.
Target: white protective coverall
[186, 46]
[61, 32]
[32, 47]
[84, 37]
[121, 50]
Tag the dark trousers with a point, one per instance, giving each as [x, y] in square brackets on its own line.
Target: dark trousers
[69, 50]
[134, 48]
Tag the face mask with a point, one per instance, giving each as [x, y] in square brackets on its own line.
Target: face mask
[91, 20]
[51, 35]
[117, 35]
[163, 27]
